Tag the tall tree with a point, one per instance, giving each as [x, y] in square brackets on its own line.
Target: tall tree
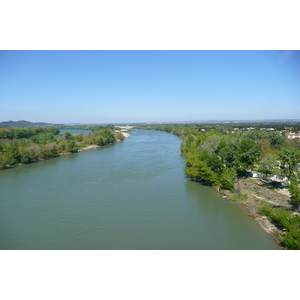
[295, 192]
[290, 158]
[267, 164]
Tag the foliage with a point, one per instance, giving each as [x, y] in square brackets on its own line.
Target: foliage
[216, 156]
[290, 157]
[294, 191]
[228, 178]
[27, 145]
[240, 197]
[267, 164]
[19, 133]
[289, 221]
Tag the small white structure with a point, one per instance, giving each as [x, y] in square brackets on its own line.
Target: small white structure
[283, 178]
[257, 175]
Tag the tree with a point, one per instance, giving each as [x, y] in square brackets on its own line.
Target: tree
[214, 162]
[267, 164]
[248, 154]
[68, 135]
[294, 191]
[228, 178]
[290, 158]
[240, 155]
[229, 154]
[198, 171]
[72, 147]
[211, 143]
[13, 155]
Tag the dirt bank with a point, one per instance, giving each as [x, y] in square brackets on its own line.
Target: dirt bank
[88, 148]
[252, 196]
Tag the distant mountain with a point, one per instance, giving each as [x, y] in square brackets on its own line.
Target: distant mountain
[23, 123]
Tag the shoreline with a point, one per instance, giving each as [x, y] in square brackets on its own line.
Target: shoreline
[250, 206]
[89, 147]
[126, 135]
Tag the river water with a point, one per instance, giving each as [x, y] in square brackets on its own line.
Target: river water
[130, 195]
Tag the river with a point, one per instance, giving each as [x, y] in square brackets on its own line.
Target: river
[130, 195]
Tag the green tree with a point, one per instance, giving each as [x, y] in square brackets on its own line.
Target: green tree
[68, 135]
[228, 178]
[214, 162]
[198, 170]
[248, 154]
[290, 158]
[72, 147]
[267, 164]
[13, 155]
[294, 191]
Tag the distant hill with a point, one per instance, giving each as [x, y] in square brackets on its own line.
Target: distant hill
[23, 123]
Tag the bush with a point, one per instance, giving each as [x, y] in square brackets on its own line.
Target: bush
[285, 218]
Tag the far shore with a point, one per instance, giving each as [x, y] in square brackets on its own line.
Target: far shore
[126, 135]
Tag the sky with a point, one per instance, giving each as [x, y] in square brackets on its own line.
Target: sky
[148, 86]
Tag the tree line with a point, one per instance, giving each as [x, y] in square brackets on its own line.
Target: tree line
[19, 133]
[222, 159]
[24, 146]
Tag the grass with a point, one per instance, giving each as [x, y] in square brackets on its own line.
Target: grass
[240, 197]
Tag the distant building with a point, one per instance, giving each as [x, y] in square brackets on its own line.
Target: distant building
[292, 135]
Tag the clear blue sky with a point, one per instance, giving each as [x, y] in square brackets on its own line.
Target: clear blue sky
[148, 86]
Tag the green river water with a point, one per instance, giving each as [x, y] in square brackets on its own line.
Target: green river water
[130, 195]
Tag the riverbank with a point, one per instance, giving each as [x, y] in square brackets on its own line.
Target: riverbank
[126, 135]
[79, 145]
[103, 199]
[88, 148]
[251, 197]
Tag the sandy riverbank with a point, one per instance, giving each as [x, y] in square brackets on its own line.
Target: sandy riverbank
[125, 134]
[89, 147]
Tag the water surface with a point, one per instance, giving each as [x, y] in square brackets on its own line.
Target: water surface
[130, 195]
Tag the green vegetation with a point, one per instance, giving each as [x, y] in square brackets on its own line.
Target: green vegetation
[222, 155]
[214, 151]
[287, 220]
[27, 145]
[27, 132]
[240, 197]
[88, 127]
